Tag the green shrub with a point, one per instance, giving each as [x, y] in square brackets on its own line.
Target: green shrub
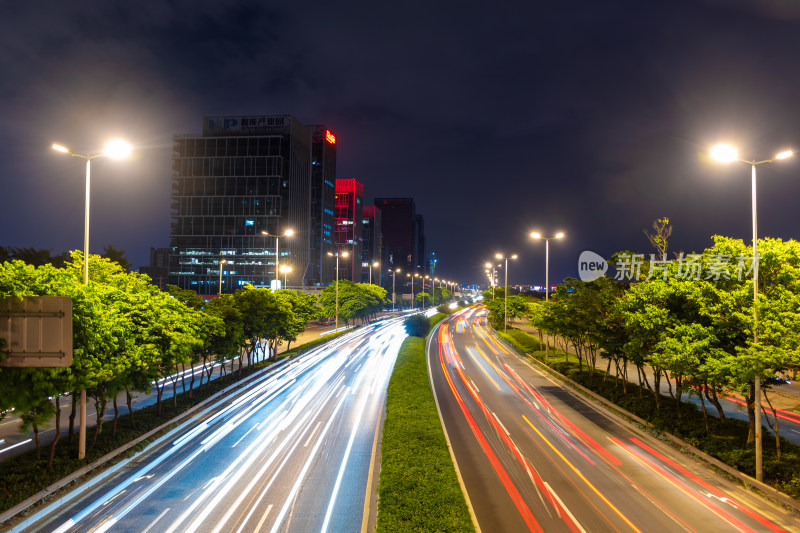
[417, 325]
[418, 488]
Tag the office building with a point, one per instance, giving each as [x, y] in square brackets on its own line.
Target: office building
[372, 244]
[348, 232]
[323, 193]
[403, 234]
[243, 175]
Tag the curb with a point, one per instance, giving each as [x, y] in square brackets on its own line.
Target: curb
[685, 447]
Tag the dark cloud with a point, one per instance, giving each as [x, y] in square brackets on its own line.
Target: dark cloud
[586, 117]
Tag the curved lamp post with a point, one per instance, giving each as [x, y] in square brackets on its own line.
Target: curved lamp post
[725, 153]
[505, 291]
[288, 233]
[536, 235]
[116, 150]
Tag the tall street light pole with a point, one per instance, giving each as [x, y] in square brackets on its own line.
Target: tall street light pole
[374, 264]
[219, 286]
[336, 255]
[287, 233]
[536, 235]
[285, 269]
[415, 275]
[727, 154]
[116, 150]
[492, 274]
[394, 294]
[505, 292]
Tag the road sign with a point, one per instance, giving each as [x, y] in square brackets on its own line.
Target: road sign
[37, 331]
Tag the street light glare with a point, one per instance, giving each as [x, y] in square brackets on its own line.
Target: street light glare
[785, 154]
[514, 256]
[59, 148]
[724, 153]
[345, 254]
[560, 235]
[118, 149]
[536, 235]
[499, 256]
[488, 265]
[289, 232]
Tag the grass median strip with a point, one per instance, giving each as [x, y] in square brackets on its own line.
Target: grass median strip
[418, 489]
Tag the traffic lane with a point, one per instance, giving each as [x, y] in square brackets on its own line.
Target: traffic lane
[602, 485]
[679, 484]
[14, 441]
[192, 479]
[485, 487]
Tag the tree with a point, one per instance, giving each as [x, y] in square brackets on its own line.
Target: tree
[116, 255]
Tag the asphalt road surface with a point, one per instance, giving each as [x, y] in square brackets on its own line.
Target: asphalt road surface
[290, 452]
[535, 457]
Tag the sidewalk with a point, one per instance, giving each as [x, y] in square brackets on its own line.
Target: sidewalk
[14, 442]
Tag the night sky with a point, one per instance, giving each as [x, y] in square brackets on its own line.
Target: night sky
[498, 118]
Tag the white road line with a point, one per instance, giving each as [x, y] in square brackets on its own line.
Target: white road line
[15, 445]
[312, 434]
[571, 516]
[243, 436]
[159, 517]
[263, 519]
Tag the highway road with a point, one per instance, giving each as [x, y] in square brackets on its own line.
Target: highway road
[14, 441]
[293, 451]
[533, 456]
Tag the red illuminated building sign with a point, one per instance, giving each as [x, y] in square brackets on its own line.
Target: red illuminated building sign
[330, 137]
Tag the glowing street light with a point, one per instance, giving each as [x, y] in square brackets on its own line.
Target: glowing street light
[288, 233]
[537, 235]
[725, 153]
[285, 269]
[374, 264]
[219, 286]
[393, 271]
[115, 150]
[505, 292]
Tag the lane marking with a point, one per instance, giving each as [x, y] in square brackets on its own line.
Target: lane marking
[15, 445]
[263, 519]
[159, 517]
[469, 351]
[564, 507]
[312, 434]
[594, 489]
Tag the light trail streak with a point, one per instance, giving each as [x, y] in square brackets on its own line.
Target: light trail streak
[15, 445]
[311, 458]
[578, 472]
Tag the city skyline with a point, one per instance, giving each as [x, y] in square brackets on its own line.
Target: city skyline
[591, 120]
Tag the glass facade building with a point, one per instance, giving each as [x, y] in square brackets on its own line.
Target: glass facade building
[241, 176]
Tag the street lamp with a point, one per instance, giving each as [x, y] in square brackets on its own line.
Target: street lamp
[505, 292]
[285, 269]
[492, 275]
[423, 291]
[393, 271]
[415, 275]
[287, 233]
[336, 255]
[219, 286]
[374, 264]
[535, 235]
[116, 150]
[725, 153]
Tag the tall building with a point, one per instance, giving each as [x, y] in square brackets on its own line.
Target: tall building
[372, 245]
[403, 234]
[241, 176]
[348, 232]
[323, 192]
